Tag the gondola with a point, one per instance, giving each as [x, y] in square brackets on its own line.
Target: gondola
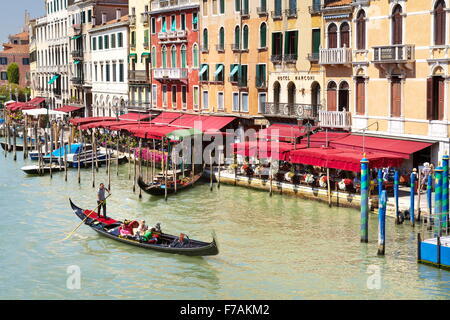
[11, 146]
[158, 188]
[110, 228]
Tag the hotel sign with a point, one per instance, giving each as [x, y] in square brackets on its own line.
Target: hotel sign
[296, 78]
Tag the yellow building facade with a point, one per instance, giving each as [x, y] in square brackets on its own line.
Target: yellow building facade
[234, 41]
[386, 70]
[295, 86]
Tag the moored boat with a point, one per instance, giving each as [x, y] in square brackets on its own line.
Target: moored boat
[158, 186]
[166, 243]
[35, 169]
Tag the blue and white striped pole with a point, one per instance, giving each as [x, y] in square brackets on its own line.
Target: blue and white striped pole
[412, 197]
[382, 223]
[364, 200]
[437, 201]
[429, 197]
[396, 185]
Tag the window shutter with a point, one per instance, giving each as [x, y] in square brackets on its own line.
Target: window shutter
[295, 49]
[429, 98]
[262, 36]
[316, 41]
[245, 38]
[360, 98]
[395, 98]
[441, 88]
[274, 51]
[331, 100]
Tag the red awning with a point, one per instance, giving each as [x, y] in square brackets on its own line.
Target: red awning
[152, 132]
[80, 121]
[127, 125]
[19, 106]
[263, 149]
[284, 132]
[215, 123]
[98, 124]
[36, 100]
[166, 117]
[134, 116]
[187, 120]
[344, 159]
[402, 148]
[68, 109]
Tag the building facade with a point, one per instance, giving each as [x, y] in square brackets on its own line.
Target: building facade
[50, 45]
[109, 67]
[139, 60]
[16, 51]
[234, 55]
[390, 78]
[295, 86]
[174, 54]
[83, 15]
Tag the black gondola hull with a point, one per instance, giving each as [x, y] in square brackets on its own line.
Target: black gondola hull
[200, 248]
[158, 190]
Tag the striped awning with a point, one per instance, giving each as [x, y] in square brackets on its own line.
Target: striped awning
[53, 79]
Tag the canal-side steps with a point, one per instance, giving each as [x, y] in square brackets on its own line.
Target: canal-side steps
[338, 198]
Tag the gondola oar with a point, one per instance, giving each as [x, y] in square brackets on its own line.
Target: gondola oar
[95, 210]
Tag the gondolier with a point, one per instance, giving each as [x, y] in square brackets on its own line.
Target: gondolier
[101, 199]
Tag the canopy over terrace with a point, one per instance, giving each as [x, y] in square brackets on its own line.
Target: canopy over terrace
[166, 118]
[68, 109]
[20, 106]
[279, 131]
[402, 148]
[264, 149]
[344, 159]
[132, 116]
[36, 101]
[81, 121]
[42, 111]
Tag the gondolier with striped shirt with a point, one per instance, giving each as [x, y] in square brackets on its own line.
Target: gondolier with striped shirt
[101, 199]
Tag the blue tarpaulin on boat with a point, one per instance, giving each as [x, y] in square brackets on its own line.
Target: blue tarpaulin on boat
[2, 121]
[74, 148]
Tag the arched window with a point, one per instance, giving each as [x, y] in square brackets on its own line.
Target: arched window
[245, 37]
[439, 23]
[195, 55]
[173, 56]
[183, 56]
[263, 35]
[237, 37]
[222, 38]
[345, 35]
[332, 36]
[331, 96]
[276, 93]
[397, 25]
[205, 39]
[343, 96]
[361, 30]
[153, 57]
[164, 57]
[291, 93]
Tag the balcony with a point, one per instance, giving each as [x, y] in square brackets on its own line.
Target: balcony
[77, 80]
[292, 110]
[162, 35]
[76, 29]
[137, 76]
[133, 46]
[204, 49]
[220, 47]
[315, 9]
[291, 13]
[146, 45]
[138, 106]
[276, 58]
[262, 11]
[169, 4]
[400, 53]
[335, 119]
[290, 58]
[181, 34]
[235, 47]
[144, 18]
[77, 54]
[334, 56]
[170, 73]
[132, 19]
[277, 15]
[261, 83]
[245, 13]
[313, 57]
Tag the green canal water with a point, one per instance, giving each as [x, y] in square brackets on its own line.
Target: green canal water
[276, 247]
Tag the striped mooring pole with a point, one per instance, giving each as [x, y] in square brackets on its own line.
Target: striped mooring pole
[429, 197]
[444, 200]
[380, 185]
[364, 200]
[411, 197]
[382, 223]
[396, 185]
[437, 201]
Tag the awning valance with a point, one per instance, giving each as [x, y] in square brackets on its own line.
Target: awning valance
[53, 79]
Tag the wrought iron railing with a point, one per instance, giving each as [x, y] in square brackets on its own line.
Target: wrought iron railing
[335, 56]
[292, 110]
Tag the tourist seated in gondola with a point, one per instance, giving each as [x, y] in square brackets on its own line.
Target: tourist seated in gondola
[142, 228]
[151, 236]
[126, 229]
[182, 241]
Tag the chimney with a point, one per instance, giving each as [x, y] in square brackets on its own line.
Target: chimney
[103, 17]
[93, 20]
[118, 14]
